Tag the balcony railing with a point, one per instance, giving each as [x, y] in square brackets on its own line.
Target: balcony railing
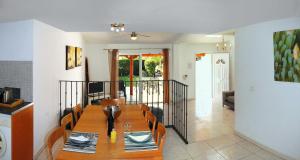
[167, 99]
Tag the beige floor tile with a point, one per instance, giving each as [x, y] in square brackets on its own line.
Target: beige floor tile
[235, 138]
[199, 149]
[267, 155]
[234, 152]
[43, 155]
[212, 156]
[58, 145]
[221, 142]
[249, 146]
[252, 157]
[175, 153]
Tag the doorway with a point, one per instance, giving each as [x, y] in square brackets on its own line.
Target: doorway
[142, 75]
[212, 78]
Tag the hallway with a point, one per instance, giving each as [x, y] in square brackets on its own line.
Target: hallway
[212, 137]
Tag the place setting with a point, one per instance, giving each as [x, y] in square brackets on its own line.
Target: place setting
[139, 141]
[81, 142]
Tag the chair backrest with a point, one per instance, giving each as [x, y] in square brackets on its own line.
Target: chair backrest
[150, 118]
[106, 102]
[122, 86]
[77, 112]
[144, 109]
[67, 119]
[52, 138]
[161, 136]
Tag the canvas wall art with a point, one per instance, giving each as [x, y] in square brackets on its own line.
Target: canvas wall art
[287, 55]
[70, 57]
[78, 57]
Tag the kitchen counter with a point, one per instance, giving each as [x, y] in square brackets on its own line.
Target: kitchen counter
[11, 111]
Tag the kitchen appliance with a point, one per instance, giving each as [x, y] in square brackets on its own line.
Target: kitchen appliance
[9, 94]
[1, 94]
[5, 137]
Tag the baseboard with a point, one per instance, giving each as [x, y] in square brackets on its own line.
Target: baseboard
[264, 147]
[36, 156]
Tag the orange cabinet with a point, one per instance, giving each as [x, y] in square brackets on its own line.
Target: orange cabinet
[22, 133]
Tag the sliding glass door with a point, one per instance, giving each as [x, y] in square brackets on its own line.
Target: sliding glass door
[141, 74]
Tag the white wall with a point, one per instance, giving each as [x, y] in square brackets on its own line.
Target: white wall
[298, 9]
[16, 41]
[266, 111]
[98, 62]
[184, 63]
[232, 62]
[49, 60]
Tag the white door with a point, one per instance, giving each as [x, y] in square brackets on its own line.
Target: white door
[220, 74]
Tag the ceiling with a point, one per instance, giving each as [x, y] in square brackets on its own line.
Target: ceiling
[155, 38]
[181, 16]
[124, 37]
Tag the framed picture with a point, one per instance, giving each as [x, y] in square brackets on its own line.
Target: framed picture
[78, 61]
[287, 55]
[70, 57]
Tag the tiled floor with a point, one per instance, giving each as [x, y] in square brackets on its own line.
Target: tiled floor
[211, 137]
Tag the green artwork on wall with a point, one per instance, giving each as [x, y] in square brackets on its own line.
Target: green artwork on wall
[287, 55]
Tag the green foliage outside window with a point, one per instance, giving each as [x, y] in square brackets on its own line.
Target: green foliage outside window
[151, 65]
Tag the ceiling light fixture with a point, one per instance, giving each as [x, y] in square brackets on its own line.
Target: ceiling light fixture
[133, 36]
[223, 46]
[117, 27]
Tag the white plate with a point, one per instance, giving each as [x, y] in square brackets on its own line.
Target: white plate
[139, 138]
[79, 139]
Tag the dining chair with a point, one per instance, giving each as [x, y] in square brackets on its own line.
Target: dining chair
[144, 109]
[151, 120]
[54, 136]
[161, 136]
[77, 112]
[106, 102]
[67, 119]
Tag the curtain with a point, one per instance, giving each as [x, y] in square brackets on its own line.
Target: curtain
[87, 79]
[166, 74]
[114, 72]
[109, 56]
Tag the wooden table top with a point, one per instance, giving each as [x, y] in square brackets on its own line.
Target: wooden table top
[94, 120]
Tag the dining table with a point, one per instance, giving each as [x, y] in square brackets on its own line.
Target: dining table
[93, 120]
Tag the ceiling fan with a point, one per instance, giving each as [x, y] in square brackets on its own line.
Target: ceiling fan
[134, 36]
